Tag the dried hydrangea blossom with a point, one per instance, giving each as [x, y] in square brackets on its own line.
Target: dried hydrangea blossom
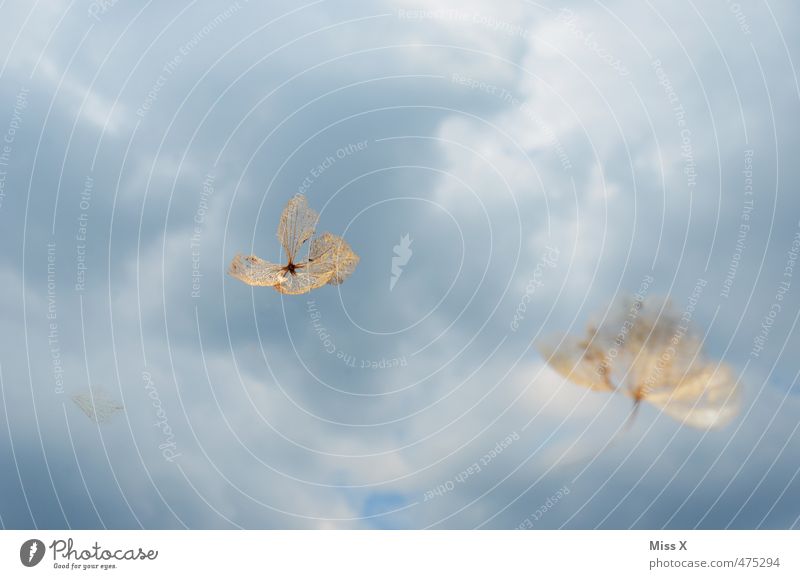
[330, 259]
[97, 405]
[648, 352]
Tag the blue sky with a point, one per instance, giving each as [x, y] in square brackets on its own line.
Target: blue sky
[150, 144]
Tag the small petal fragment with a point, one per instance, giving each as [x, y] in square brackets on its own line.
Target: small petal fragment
[97, 405]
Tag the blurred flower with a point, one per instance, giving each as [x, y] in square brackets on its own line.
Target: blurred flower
[645, 350]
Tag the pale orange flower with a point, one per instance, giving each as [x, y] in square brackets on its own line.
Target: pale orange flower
[330, 259]
[646, 351]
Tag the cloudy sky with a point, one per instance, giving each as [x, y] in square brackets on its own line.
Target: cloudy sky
[544, 158]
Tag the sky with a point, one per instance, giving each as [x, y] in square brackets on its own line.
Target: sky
[545, 160]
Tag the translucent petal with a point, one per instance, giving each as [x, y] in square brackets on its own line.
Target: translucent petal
[255, 271]
[97, 405]
[296, 226]
[708, 398]
[332, 253]
[577, 361]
